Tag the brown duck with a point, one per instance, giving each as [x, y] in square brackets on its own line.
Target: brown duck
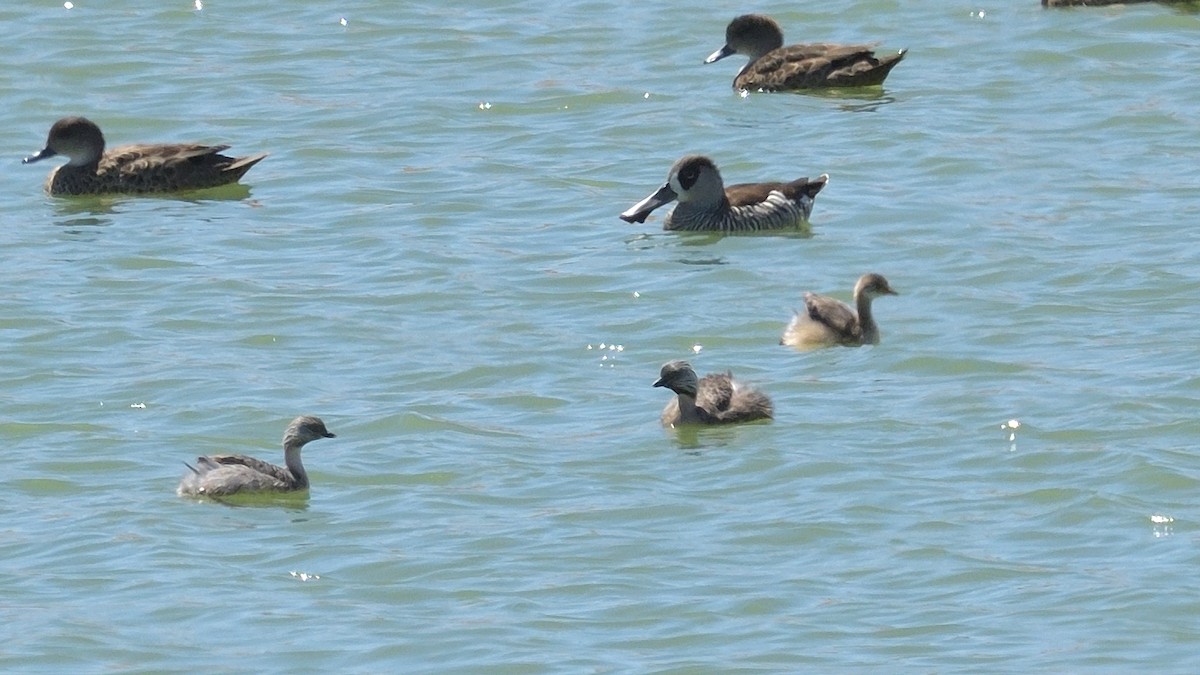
[133, 169]
[773, 67]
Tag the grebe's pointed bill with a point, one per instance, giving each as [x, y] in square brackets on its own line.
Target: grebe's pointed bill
[720, 54]
[39, 155]
[638, 212]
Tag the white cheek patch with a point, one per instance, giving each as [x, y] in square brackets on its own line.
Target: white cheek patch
[673, 181]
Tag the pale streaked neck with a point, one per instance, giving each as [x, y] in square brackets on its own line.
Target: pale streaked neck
[291, 457]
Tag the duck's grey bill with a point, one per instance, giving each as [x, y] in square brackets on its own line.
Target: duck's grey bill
[638, 212]
[720, 54]
[40, 154]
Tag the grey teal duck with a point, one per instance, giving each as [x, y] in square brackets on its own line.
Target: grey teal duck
[133, 169]
[773, 67]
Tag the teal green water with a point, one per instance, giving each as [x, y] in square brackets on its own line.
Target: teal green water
[431, 261]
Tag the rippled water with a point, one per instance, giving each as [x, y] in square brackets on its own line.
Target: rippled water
[430, 259]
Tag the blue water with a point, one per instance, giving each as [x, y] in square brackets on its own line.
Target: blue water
[431, 260]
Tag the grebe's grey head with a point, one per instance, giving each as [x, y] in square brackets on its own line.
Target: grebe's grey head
[306, 428]
[679, 377]
[872, 286]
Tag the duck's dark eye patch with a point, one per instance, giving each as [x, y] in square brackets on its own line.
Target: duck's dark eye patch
[687, 177]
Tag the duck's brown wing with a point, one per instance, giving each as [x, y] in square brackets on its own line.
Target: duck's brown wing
[172, 167]
[803, 187]
[238, 167]
[817, 65]
[833, 313]
[866, 70]
[748, 194]
[145, 156]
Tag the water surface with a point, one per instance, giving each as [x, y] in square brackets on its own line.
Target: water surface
[431, 261]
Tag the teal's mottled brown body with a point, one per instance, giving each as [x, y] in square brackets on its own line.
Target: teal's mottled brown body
[773, 67]
[133, 169]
